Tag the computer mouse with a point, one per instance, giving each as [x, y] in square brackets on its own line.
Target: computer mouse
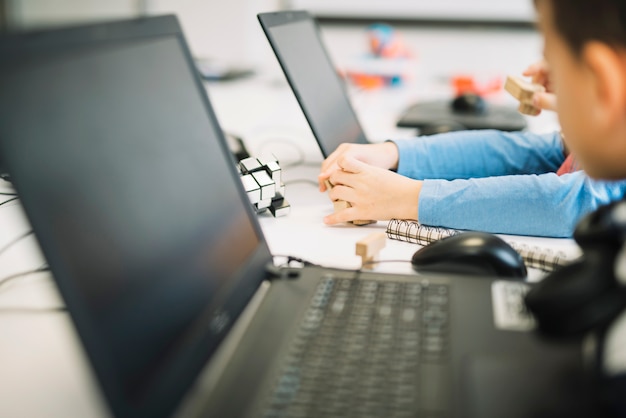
[474, 253]
[470, 103]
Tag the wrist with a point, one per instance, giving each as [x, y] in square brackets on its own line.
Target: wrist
[392, 155]
[410, 208]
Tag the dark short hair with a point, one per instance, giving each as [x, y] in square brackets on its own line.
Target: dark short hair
[581, 21]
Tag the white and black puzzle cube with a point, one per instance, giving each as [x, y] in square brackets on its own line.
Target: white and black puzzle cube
[262, 180]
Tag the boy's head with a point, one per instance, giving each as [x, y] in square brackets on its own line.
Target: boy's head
[585, 47]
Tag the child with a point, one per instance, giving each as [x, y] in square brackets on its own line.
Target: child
[586, 50]
[512, 183]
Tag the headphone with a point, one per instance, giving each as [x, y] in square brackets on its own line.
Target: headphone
[585, 295]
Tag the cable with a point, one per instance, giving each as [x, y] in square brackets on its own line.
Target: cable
[292, 259]
[15, 241]
[11, 277]
[9, 200]
[299, 151]
[308, 181]
[8, 194]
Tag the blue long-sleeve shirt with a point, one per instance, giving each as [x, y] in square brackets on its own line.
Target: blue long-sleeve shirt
[501, 182]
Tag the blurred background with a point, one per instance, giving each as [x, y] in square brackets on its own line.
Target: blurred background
[227, 30]
[448, 44]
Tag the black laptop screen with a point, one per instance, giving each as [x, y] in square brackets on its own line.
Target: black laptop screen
[117, 158]
[313, 78]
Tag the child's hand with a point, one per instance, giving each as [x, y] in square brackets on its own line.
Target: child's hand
[373, 192]
[540, 74]
[383, 155]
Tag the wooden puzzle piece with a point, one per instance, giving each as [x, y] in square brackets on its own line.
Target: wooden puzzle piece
[369, 247]
[524, 91]
[342, 204]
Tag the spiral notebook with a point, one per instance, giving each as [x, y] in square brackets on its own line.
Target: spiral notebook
[537, 257]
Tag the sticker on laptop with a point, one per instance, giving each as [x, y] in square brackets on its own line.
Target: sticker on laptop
[509, 310]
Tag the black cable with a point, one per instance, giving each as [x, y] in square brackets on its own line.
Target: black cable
[7, 279]
[15, 241]
[292, 259]
[9, 200]
[8, 194]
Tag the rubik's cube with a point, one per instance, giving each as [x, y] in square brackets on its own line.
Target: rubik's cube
[262, 180]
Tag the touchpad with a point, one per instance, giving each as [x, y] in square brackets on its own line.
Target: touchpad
[506, 386]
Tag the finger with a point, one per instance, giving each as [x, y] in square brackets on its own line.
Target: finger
[531, 70]
[328, 172]
[324, 182]
[350, 165]
[332, 158]
[345, 215]
[341, 192]
[546, 101]
[328, 162]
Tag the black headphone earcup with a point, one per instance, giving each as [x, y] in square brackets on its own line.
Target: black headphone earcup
[572, 300]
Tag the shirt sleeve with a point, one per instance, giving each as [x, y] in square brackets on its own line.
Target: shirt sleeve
[538, 205]
[479, 153]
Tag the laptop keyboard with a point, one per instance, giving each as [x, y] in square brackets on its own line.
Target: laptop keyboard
[367, 348]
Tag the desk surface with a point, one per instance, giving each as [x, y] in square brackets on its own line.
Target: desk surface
[44, 369]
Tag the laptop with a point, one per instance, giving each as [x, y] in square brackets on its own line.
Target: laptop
[294, 36]
[320, 91]
[131, 190]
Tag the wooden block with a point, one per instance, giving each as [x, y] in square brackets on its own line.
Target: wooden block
[369, 247]
[342, 204]
[528, 109]
[521, 89]
[363, 222]
[524, 91]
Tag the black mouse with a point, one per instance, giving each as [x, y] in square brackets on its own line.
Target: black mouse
[469, 103]
[474, 253]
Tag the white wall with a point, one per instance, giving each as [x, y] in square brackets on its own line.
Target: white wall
[36, 13]
[226, 30]
[488, 10]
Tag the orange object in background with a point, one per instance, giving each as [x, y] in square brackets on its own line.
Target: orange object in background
[467, 84]
[366, 81]
[372, 81]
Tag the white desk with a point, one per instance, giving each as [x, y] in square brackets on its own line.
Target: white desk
[44, 369]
